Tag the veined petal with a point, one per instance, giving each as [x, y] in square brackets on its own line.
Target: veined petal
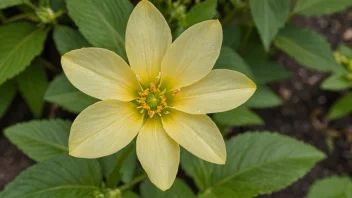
[100, 73]
[148, 36]
[196, 133]
[221, 90]
[158, 153]
[104, 128]
[192, 55]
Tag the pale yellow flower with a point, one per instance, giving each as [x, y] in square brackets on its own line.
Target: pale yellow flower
[163, 97]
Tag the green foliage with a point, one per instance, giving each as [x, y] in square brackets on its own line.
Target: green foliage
[178, 190]
[308, 48]
[102, 23]
[63, 93]
[200, 12]
[253, 159]
[67, 39]
[40, 140]
[320, 7]
[32, 84]
[240, 116]
[342, 107]
[8, 92]
[336, 82]
[229, 59]
[20, 44]
[9, 3]
[232, 36]
[263, 98]
[269, 16]
[62, 176]
[331, 187]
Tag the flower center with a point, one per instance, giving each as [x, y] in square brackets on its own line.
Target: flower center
[152, 100]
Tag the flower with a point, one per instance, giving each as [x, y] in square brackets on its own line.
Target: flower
[162, 96]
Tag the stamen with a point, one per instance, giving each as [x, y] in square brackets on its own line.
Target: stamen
[176, 91]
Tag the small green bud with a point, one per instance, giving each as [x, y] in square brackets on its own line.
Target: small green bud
[46, 15]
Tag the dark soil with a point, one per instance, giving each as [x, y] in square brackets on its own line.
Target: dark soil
[302, 116]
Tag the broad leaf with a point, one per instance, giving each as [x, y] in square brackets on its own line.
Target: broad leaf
[9, 3]
[129, 194]
[178, 190]
[63, 176]
[342, 107]
[128, 167]
[263, 97]
[269, 16]
[336, 82]
[200, 12]
[8, 92]
[331, 187]
[261, 163]
[320, 7]
[308, 48]
[229, 59]
[63, 93]
[20, 43]
[32, 84]
[67, 39]
[240, 116]
[232, 36]
[40, 140]
[102, 23]
[345, 50]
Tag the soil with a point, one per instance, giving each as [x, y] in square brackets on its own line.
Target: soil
[302, 115]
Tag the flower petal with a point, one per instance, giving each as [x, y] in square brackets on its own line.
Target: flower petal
[100, 73]
[196, 133]
[148, 36]
[158, 153]
[221, 90]
[104, 128]
[192, 55]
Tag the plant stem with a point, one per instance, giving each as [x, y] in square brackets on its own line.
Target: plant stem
[49, 65]
[2, 17]
[246, 37]
[133, 182]
[115, 176]
[29, 15]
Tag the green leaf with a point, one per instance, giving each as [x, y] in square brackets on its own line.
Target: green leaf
[341, 108]
[32, 84]
[264, 97]
[308, 48]
[20, 43]
[261, 163]
[199, 170]
[320, 7]
[57, 5]
[67, 39]
[63, 93]
[241, 116]
[345, 50]
[9, 3]
[102, 23]
[129, 165]
[201, 12]
[336, 82]
[229, 59]
[8, 92]
[40, 140]
[232, 36]
[129, 194]
[62, 176]
[269, 16]
[178, 190]
[331, 187]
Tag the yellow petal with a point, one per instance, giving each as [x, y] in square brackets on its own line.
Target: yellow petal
[192, 55]
[196, 133]
[220, 90]
[104, 128]
[100, 73]
[158, 153]
[148, 36]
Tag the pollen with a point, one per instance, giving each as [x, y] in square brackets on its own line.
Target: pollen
[152, 100]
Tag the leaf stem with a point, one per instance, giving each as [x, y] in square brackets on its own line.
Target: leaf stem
[133, 182]
[49, 65]
[2, 17]
[30, 16]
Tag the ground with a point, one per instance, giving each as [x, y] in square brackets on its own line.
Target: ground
[302, 115]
